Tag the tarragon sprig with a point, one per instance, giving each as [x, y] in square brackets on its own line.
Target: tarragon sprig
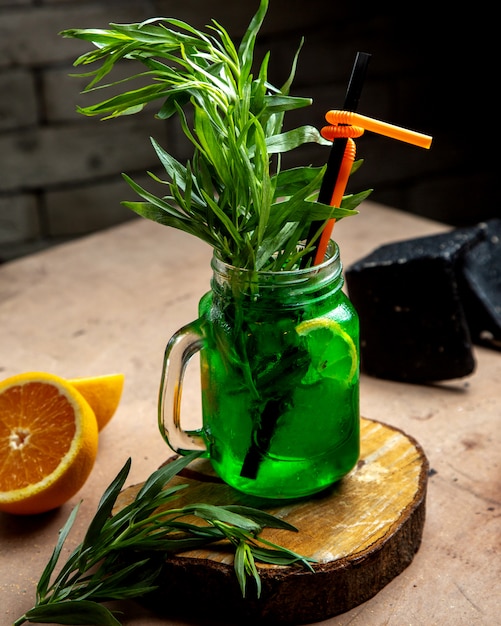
[233, 193]
[122, 552]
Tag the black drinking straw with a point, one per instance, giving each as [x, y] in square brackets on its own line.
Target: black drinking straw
[351, 100]
[263, 433]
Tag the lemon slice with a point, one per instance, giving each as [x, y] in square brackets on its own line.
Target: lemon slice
[332, 350]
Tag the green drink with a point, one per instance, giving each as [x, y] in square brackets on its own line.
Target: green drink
[279, 367]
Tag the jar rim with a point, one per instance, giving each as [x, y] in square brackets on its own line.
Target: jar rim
[256, 283]
[332, 256]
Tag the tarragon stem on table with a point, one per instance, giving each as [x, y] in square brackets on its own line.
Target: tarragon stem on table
[121, 554]
[233, 193]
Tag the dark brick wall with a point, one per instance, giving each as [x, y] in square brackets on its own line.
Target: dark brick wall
[60, 172]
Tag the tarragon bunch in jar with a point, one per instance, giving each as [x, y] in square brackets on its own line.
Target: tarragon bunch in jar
[233, 193]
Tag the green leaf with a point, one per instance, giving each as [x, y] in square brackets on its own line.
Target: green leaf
[76, 612]
[280, 557]
[293, 139]
[277, 103]
[263, 519]
[157, 481]
[246, 48]
[172, 104]
[252, 569]
[315, 211]
[350, 202]
[289, 182]
[239, 567]
[172, 166]
[245, 565]
[131, 102]
[154, 200]
[288, 84]
[105, 506]
[95, 35]
[280, 552]
[132, 581]
[149, 33]
[272, 243]
[43, 583]
[222, 514]
[160, 216]
[229, 226]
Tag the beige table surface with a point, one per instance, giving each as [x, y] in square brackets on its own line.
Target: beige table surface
[109, 302]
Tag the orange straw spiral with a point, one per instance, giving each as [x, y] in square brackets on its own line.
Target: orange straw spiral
[341, 132]
[348, 118]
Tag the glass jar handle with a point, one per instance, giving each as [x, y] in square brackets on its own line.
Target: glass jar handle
[186, 342]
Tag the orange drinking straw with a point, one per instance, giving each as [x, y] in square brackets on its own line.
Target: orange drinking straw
[349, 124]
[338, 148]
[337, 198]
[348, 118]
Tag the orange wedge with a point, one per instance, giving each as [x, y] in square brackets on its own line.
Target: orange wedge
[103, 393]
[48, 442]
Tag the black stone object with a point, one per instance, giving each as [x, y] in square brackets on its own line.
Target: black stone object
[481, 286]
[408, 294]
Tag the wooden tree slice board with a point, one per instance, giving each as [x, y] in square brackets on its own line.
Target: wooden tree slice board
[362, 533]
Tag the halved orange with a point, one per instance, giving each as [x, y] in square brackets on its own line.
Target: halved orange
[48, 442]
[103, 393]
